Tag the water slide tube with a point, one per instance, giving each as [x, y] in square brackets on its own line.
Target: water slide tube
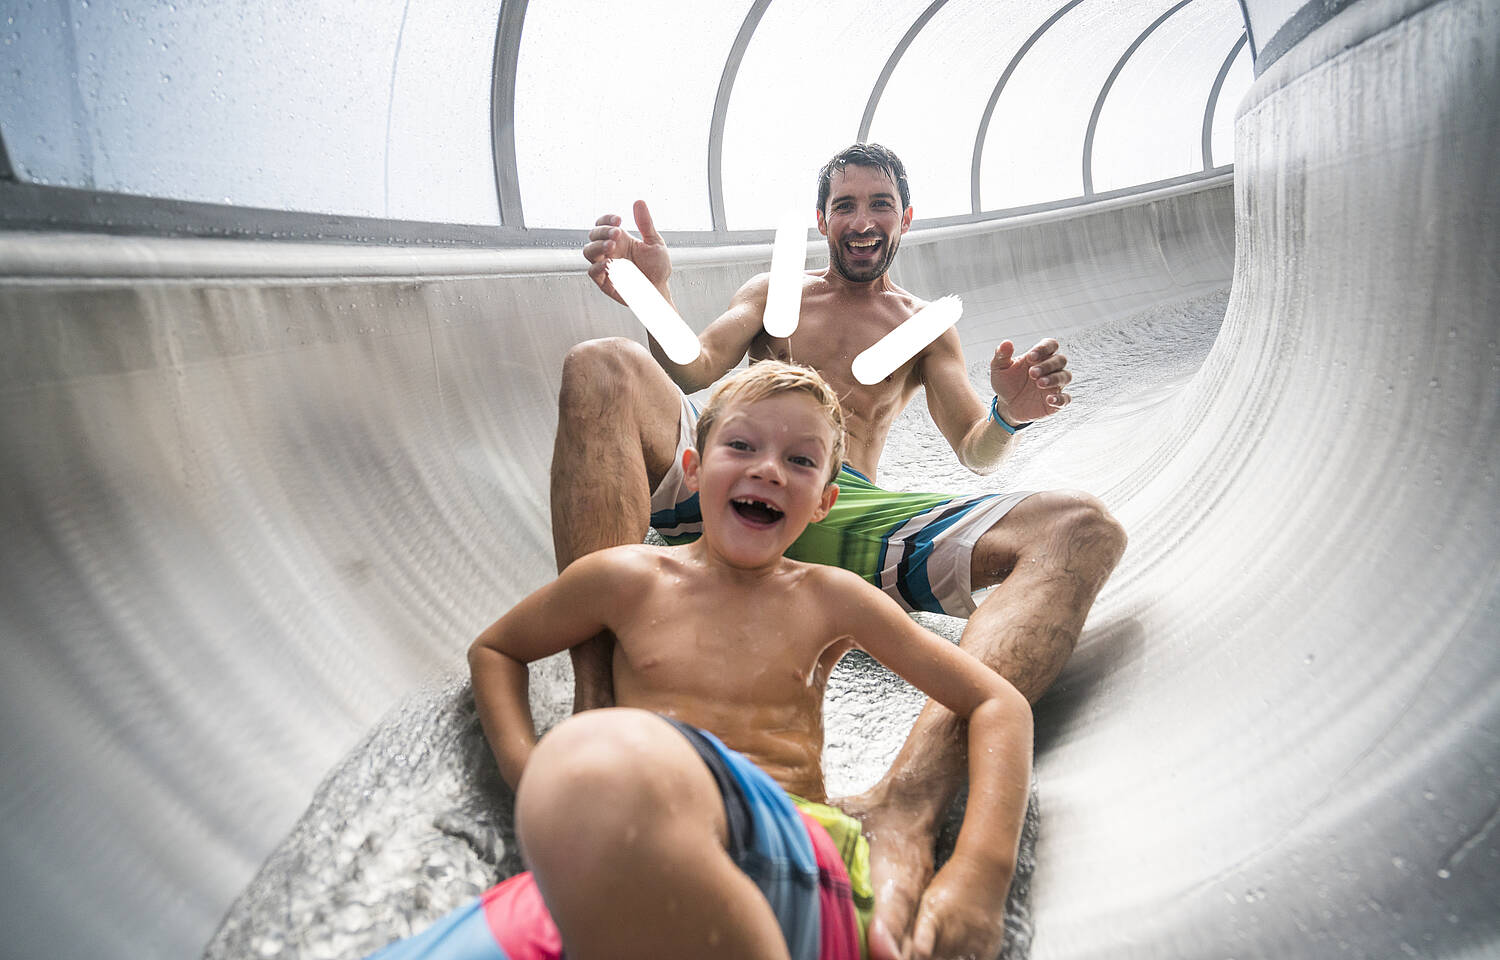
[254, 494]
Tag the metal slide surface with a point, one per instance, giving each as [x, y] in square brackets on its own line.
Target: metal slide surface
[255, 495]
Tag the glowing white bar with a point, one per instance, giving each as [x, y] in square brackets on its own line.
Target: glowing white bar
[907, 340]
[788, 261]
[677, 340]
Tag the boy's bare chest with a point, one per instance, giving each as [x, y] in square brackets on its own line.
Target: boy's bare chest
[769, 650]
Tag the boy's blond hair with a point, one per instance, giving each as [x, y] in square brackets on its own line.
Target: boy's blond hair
[769, 378]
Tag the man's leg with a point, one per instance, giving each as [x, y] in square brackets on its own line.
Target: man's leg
[617, 429]
[625, 830]
[1050, 555]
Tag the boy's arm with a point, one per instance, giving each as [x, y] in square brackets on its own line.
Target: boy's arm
[569, 610]
[965, 901]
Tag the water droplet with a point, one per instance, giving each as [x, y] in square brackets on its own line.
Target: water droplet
[1444, 874]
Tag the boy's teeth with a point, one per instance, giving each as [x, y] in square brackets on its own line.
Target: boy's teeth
[757, 510]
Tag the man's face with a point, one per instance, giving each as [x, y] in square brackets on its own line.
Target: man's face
[762, 477]
[863, 222]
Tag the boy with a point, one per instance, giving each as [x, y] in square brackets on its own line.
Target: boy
[687, 821]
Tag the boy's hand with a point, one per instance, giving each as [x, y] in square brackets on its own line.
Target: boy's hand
[958, 920]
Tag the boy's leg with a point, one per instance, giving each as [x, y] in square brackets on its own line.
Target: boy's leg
[1050, 555]
[617, 430]
[625, 830]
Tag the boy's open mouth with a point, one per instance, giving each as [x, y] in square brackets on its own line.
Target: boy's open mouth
[756, 511]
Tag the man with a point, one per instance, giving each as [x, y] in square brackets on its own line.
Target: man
[623, 421]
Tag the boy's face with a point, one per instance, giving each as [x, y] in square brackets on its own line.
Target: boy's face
[763, 477]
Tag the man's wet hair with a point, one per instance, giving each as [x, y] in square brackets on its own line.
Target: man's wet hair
[769, 378]
[864, 155]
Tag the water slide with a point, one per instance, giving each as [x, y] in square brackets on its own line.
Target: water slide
[256, 495]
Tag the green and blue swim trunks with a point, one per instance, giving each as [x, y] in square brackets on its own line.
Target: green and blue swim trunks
[916, 547]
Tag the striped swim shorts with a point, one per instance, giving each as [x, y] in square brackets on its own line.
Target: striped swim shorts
[808, 859]
[917, 547]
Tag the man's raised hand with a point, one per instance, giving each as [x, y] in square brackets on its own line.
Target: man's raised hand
[1030, 387]
[608, 240]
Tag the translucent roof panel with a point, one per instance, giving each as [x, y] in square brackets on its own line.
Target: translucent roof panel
[244, 103]
[441, 164]
[932, 107]
[387, 109]
[1151, 126]
[798, 99]
[613, 105]
[1236, 84]
[1033, 152]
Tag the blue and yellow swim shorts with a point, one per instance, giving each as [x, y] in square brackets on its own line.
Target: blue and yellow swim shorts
[809, 860]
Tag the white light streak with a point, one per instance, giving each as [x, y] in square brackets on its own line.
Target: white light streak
[677, 340]
[907, 340]
[788, 262]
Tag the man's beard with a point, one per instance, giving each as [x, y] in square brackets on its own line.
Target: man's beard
[865, 272]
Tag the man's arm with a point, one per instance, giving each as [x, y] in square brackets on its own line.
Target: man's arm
[963, 418]
[962, 911]
[569, 610]
[723, 343]
[1026, 388]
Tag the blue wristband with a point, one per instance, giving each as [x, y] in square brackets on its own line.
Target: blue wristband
[995, 416]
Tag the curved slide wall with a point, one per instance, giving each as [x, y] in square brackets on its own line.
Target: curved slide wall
[253, 494]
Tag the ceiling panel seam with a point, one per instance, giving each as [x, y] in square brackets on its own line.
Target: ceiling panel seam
[1088, 139]
[989, 109]
[1213, 99]
[876, 92]
[721, 113]
[1249, 31]
[503, 112]
[390, 107]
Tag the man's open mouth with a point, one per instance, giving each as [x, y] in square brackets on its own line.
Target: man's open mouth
[756, 511]
[863, 246]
